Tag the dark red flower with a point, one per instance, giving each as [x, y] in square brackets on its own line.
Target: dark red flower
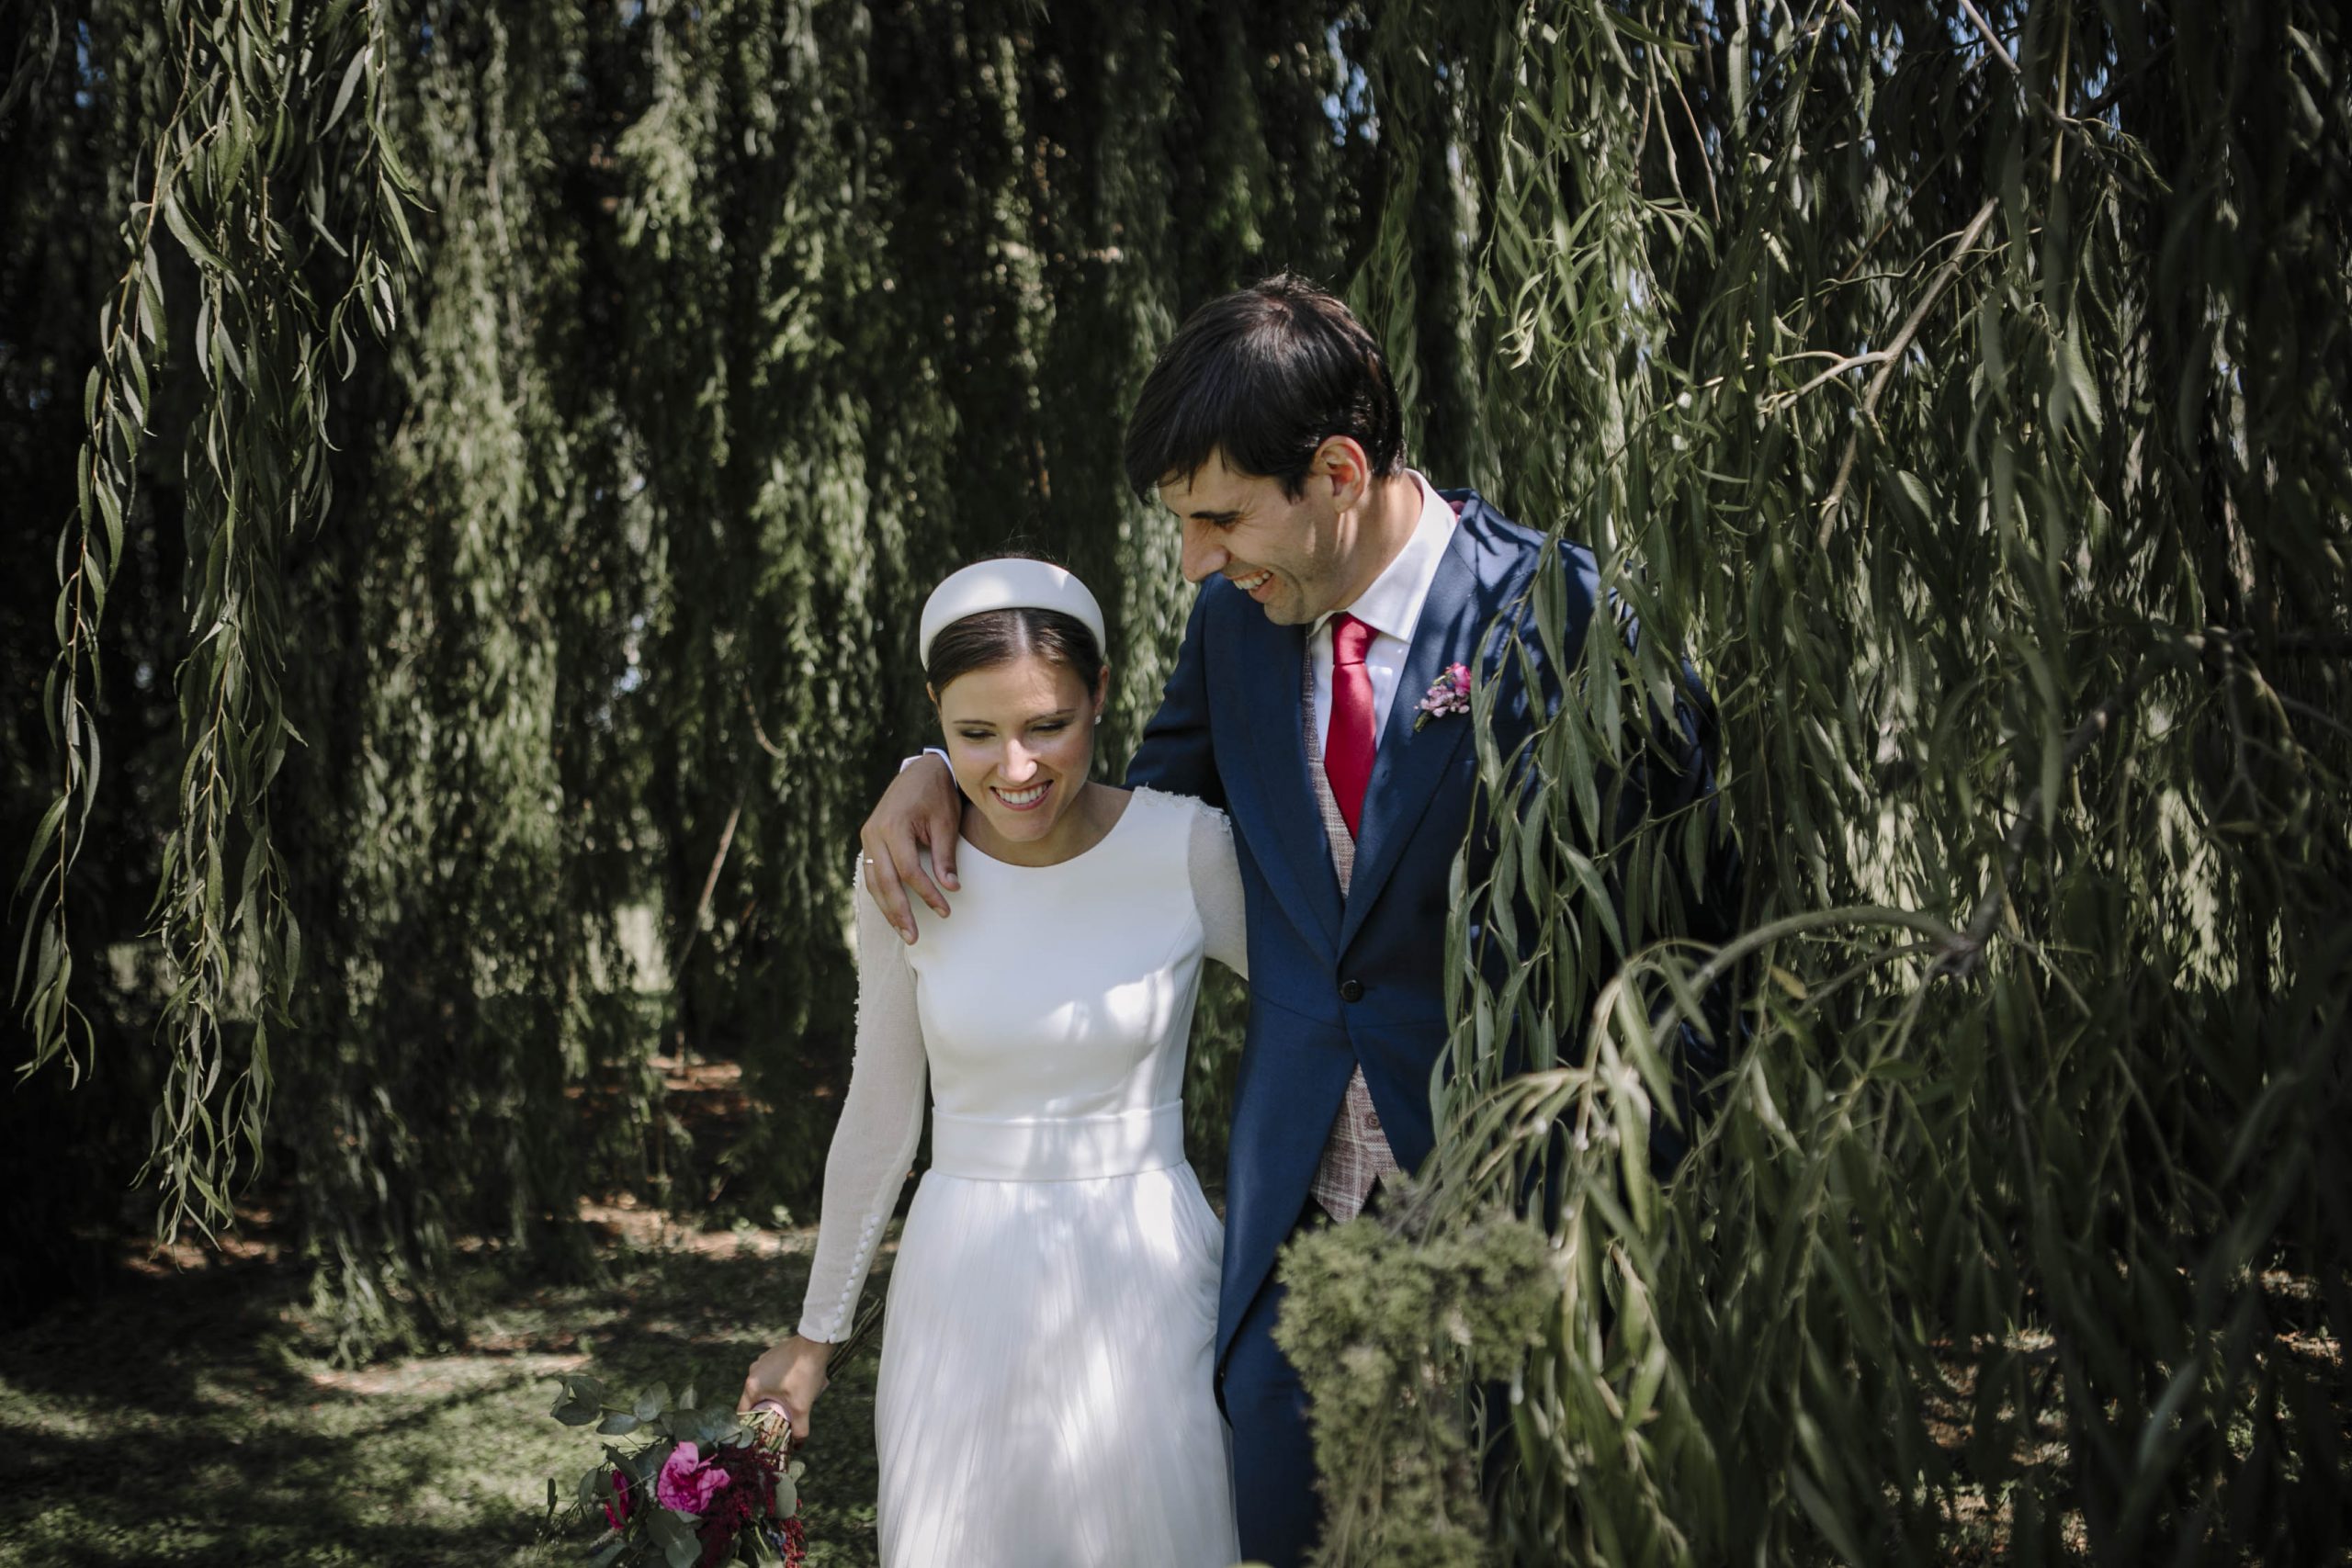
[745, 1501]
[617, 1511]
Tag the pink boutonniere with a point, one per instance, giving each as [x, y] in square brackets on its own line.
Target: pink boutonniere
[1449, 694]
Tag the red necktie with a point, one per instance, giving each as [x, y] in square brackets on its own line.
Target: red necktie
[1348, 743]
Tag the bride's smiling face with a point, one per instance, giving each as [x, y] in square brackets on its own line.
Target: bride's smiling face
[1021, 740]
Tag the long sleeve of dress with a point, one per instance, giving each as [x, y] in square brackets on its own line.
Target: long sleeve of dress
[881, 1122]
[1216, 891]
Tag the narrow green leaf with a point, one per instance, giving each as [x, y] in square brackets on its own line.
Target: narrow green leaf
[199, 249]
[351, 76]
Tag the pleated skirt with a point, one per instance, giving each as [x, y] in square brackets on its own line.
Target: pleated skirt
[1046, 1396]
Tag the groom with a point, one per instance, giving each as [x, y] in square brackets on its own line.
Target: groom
[1337, 587]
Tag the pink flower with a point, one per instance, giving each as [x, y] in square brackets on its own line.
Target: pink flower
[688, 1482]
[617, 1511]
[1449, 694]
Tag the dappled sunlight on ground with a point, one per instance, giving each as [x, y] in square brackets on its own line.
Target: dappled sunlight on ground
[191, 1416]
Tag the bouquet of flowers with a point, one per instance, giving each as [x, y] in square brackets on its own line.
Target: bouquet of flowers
[706, 1486]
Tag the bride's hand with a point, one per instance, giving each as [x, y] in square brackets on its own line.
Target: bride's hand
[922, 809]
[793, 1375]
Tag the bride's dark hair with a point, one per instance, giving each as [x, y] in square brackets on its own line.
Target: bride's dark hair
[998, 637]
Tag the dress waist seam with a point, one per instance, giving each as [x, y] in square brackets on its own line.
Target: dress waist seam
[1058, 1148]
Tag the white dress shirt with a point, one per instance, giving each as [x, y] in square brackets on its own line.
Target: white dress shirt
[1392, 608]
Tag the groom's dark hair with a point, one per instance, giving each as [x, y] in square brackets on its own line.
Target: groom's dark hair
[1267, 373]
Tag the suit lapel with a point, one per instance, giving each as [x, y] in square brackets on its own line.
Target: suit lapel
[1297, 855]
[1411, 761]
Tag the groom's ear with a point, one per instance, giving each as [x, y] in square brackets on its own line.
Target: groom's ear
[1341, 463]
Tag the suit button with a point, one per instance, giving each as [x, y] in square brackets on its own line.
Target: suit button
[1352, 991]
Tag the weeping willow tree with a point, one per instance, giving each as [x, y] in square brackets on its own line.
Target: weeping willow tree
[1967, 388]
[490, 458]
[528, 435]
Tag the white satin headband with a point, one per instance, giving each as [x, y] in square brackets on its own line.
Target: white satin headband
[1011, 583]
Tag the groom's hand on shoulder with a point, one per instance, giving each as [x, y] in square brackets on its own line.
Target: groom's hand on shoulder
[920, 810]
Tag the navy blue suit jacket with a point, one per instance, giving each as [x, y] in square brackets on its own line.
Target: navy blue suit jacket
[1334, 982]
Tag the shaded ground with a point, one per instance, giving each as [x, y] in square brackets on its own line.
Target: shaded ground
[190, 1417]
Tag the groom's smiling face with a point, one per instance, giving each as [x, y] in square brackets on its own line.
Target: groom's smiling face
[1292, 554]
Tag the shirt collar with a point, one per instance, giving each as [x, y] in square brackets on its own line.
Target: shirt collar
[1391, 605]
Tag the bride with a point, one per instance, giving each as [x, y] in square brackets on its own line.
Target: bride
[1045, 1396]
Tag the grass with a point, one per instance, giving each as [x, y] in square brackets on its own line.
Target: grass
[191, 1416]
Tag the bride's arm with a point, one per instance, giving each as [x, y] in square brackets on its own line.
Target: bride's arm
[1216, 891]
[881, 1122]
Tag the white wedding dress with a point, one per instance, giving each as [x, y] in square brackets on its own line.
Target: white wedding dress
[1045, 1398]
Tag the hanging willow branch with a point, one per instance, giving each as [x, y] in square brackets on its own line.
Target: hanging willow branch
[273, 174]
[131, 327]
